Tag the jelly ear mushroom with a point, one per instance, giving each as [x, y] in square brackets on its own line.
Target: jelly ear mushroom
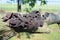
[37, 11]
[46, 14]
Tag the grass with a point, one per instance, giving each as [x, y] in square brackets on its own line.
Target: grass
[50, 8]
[8, 7]
[43, 8]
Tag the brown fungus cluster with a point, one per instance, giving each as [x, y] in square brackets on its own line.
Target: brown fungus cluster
[26, 22]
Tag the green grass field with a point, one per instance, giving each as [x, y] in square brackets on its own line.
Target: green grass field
[8, 7]
[44, 8]
[53, 35]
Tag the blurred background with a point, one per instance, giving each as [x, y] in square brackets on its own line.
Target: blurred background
[29, 5]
